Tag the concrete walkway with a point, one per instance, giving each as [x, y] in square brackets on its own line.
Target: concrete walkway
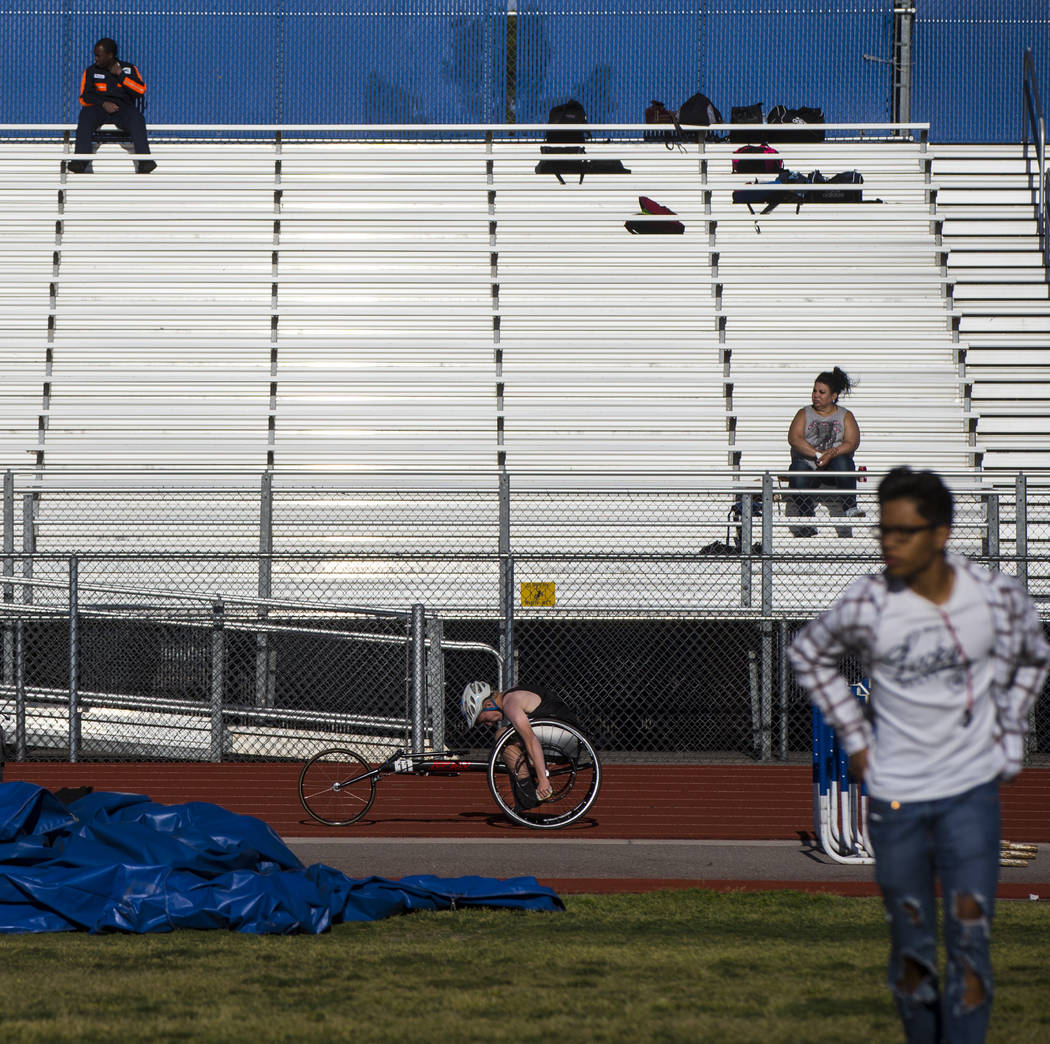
[634, 864]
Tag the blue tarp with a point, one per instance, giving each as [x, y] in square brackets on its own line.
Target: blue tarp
[121, 862]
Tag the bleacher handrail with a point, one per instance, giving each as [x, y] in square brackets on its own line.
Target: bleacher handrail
[1032, 118]
[509, 129]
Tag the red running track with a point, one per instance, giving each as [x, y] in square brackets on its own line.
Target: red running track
[720, 802]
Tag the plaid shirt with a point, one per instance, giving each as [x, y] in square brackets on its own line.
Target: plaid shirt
[1020, 656]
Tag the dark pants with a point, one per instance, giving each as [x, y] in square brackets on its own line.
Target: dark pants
[806, 476]
[127, 118]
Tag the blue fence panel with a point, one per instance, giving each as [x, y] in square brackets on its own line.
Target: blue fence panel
[616, 57]
[834, 55]
[968, 66]
[235, 61]
[613, 57]
[444, 61]
[34, 36]
[395, 61]
[214, 63]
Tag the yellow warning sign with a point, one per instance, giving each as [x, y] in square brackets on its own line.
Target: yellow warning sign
[537, 594]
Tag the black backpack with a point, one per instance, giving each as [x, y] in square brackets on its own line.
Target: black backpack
[565, 142]
[746, 114]
[794, 124]
[569, 142]
[840, 194]
[700, 111]
[770, 194]
[572, 138]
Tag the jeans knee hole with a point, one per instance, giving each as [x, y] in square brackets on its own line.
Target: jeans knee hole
[913, 910]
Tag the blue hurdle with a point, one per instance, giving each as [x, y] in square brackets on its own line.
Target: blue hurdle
[840, 806]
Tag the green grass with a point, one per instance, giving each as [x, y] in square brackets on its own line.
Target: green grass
[668, 966]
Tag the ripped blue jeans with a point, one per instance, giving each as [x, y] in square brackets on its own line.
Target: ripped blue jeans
[955, 840]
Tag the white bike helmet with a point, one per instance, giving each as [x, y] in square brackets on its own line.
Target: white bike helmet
[474, 695]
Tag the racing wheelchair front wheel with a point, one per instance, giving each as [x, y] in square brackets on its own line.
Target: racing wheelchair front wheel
[337, 787]
[574, 770]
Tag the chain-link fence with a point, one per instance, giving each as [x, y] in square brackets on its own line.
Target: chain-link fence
[664, 616]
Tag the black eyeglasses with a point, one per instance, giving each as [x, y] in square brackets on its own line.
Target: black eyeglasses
[881, 532]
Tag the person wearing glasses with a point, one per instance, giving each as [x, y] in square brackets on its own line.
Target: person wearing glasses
[823, 437]
[956, 656]
[517, 708]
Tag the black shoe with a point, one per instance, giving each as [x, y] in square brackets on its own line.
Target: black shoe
[78, 166]
[804, 531]
[524, 794]
[146, 167]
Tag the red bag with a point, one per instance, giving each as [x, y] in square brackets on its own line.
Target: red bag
[643, 228]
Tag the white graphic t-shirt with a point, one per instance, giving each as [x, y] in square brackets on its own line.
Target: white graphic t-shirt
[935, 722]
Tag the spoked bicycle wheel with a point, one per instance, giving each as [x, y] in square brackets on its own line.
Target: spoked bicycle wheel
[337, 787]
[575, 775]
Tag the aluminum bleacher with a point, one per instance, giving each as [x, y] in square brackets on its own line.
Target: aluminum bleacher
[1003, 296]
[858, 285]
[378, 307]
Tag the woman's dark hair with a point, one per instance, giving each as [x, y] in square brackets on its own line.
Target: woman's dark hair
[837, 380]
[933, 499]
[108, 45]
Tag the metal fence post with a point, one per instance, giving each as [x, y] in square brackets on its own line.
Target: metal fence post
[20, 693]
[1021, 527]
[264, 655]
[766, 679]
[904, 17]
[746, 541]
[218, 677]
[74, 664]
[510, 658]
[506, 581]
[419, 674]
[7, 672]
[28, 547]
[9, 534]
[991, 516]
[783, 674]
[436, 681]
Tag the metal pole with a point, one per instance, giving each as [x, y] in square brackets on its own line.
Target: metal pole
[905, 17]
[767, 610]
[783, 675]
[767, 544]
[74, 665]
[419, 674]
[20, 693]
[436, 680]
[218, 677]
[510, 664]
[506, 579]
[746, 541]
[7, 671]
[28, 547]
[767, 690]
[1021, 527]
[264, 667]
[756, 714]
[9, 533]
[1024, 102]
[265, 536]
[991, 510]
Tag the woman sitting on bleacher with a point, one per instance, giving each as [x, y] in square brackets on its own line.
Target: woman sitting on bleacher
[823, 438]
